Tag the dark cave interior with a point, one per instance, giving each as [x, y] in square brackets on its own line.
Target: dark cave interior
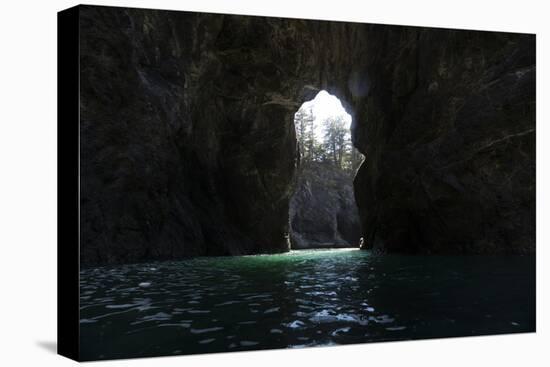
[189, 146]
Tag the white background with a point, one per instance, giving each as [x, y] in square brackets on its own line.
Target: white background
[28, 183]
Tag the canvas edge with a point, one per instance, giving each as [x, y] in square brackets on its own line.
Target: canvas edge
[68, 183]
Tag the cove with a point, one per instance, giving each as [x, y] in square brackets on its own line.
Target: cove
[298, 299]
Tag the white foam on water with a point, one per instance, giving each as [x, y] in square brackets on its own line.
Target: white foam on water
[295, 324]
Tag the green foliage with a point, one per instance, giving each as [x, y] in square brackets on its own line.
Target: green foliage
[334, 146]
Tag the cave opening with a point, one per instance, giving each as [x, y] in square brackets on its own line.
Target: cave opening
[322, 210]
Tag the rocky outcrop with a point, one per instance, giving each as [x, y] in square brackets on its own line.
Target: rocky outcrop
[449, 139]
[322, 209]
[188, 145]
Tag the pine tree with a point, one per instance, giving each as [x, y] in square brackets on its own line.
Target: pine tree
[336, 139]
[305, 133]
[299, 123]
[335, 146]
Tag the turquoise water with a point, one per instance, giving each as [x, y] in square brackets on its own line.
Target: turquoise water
[299, 299]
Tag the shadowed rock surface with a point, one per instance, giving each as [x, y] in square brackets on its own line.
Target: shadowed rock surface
[322, 209]
[448, 129]
[188, 145]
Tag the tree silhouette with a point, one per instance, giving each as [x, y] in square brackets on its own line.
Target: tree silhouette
[334, 147]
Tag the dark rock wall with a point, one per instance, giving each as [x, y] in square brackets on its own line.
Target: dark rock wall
[322, 209]
[188, 145]
[449, 139]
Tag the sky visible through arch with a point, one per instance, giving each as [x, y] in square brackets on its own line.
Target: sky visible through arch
[325, 105]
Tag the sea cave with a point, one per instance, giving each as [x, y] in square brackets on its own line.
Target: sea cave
[215, 181]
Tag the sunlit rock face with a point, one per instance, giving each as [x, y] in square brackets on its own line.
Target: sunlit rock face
[323, 213]
[448, 130]
[188, 145]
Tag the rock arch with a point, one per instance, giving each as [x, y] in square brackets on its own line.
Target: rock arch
[189, 149]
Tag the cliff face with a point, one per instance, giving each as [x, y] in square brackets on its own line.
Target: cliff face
[188, 145]
[322, 209]
[449, 138]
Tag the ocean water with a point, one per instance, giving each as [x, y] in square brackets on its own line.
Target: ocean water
[299, 299]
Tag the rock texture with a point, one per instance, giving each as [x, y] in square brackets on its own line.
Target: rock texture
[322, 209]
[449, 138]
[188, 145]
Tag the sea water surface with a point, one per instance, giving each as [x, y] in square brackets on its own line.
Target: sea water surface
[299, 299]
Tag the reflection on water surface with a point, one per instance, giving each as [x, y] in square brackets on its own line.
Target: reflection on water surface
[298, 299]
